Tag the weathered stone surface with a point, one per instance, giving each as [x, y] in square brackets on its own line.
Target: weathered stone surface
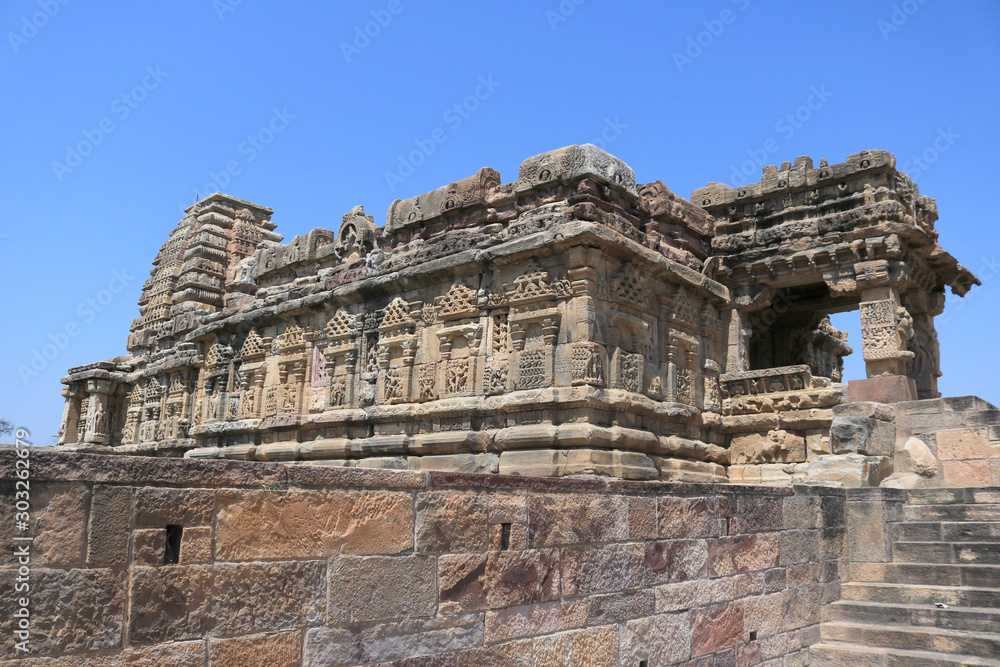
[510, 654]
[58, 523]
[148, 546]
[178, 602]
[451, 522]
[967, 473]
[849, 470]
[619, 607]
[178, 654]
[108, 531]
[681, 518]
[388, 642]
[312, 524]
[774, 446]
[274, 650]
[159, 507]
[538, 619]
[377, 588]
[71, 610]
[573, 519]
[966, 443]
[715, 628]
[663, 639]
[921, 459]
[497, 579]
[593, 647]
[196, 545]
[743, 553]
[642, 518]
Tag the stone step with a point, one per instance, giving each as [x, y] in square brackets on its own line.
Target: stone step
[912, 637]
[981, 576]
[947, 531]
[836, 654]
[961, 496]
[946, 552]
[982, 619]
[956, 512]
[920, 594]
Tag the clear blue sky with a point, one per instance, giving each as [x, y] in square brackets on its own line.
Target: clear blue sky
[117, 114]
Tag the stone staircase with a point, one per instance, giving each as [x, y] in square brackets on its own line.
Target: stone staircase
[945, 551]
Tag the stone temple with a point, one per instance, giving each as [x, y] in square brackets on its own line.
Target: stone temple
[569, 322]
[282, 471]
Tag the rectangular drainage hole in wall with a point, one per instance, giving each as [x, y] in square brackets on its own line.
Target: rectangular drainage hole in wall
[753, 635]
[505, 536]
[642, 663]
[172, 550]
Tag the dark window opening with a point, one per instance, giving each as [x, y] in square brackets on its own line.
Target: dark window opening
[172, 549]
[505, 536]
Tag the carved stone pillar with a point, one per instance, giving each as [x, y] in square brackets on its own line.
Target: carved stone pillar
[98, 431]
[925, 367]
[68, 432]
[885, 328]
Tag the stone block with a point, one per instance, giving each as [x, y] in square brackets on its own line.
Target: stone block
[675, 560]
[71, 610]
[715, 628]
[451, 522]
[196, 545]
[386, 642]
[776, 446]
[664, 639]
[760, 423]
[292, 523]
[801, 511]
[682, 517]
[965, 443]
[758, 513]
[148, 546]
[538, 619]
[378, 588]
[180, 602]
[510, 654]
[159, 507]
[469, 582]
[967, 473]
[507, 508]
[743, 553]
[798, 546]
[474, 463]
[594, 647]
[805, 419]
[620, 607]
[642, 518]
[602, 569]
[562, 462]
[848, 470]
[861, 435]
[179, 654]
[683, 470]
[865, 410]
[110, 521]
[883, 389]
[576, 518]
[275, 650]
[58, 522]
[868, 533]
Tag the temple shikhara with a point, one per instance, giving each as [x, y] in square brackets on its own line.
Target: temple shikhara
[569, 322]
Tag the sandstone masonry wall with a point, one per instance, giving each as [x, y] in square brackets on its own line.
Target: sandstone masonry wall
[297, 564]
